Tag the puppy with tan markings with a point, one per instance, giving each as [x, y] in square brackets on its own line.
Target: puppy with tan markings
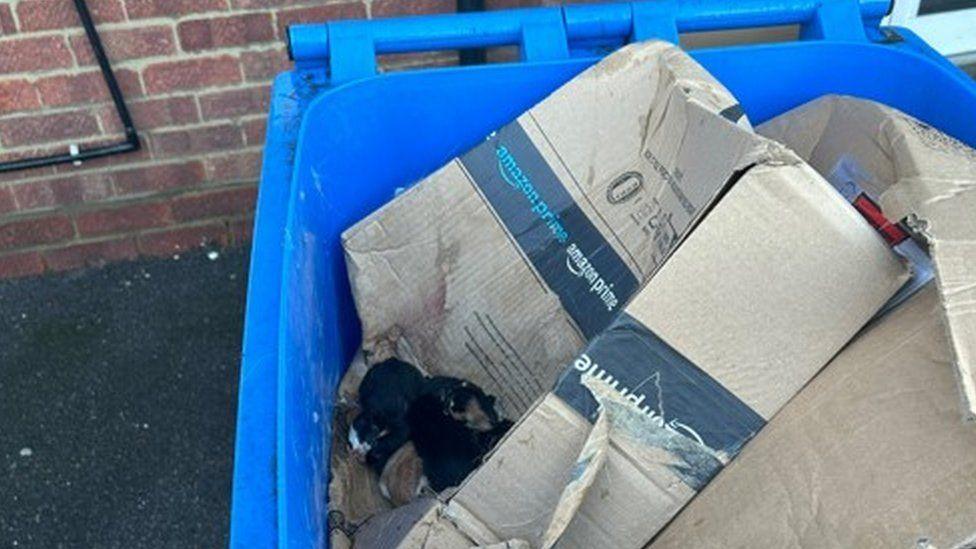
[453, 425]
[402, 479]
[415, 431]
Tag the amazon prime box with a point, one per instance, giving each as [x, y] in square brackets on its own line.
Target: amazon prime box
[871, 454]
[499, 266]
[774, 281]
[910, 179]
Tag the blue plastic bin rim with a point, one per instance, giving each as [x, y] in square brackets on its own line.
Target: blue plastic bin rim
[348, 49]
[265, 516]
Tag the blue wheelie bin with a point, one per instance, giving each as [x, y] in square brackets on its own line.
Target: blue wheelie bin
[341, 138]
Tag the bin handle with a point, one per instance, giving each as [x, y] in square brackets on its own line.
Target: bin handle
[348, 49]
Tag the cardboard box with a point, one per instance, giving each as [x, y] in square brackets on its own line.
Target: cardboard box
[919, 177]
[776, 279]
[871, 454]
[499, 266]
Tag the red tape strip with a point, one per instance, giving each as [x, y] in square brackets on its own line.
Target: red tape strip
[892, 232]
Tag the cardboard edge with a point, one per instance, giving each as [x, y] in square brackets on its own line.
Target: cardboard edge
[806, 125]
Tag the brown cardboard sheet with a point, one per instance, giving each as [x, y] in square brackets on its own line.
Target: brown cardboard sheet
[871, 454]
[916, 174]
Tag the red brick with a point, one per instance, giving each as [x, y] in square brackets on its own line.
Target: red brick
[7, 23]
[234, 167]
[21, 175]
[7, 203]
[35, 195]
[254, 131]
[225, 202]
[158, 177]
[86, 87]
[122, 44]
[111, 161]
[153, 113]
[235, 103]
[253, 4]
[7, 156]
[17, 96]
[172, 8]
[191, 74]
[129, 83]
[182, 239]
[262, 66]
[29, 232]
[196, 140]
[390, 8]
[91, 254]
[104, 11]
[221, 32]
[62, 191]
[30, 54]
[22, 264]
[29, 130]
[126, 218]
[38, 15]
[63, 90]
[242, 230]
[319, 14]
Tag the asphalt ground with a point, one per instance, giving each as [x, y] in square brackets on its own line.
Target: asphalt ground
[118, 393]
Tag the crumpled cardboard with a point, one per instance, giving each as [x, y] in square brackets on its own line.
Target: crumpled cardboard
[417, 525]
[870, 455]
[920, 177]
[499, 266]
[775, 280]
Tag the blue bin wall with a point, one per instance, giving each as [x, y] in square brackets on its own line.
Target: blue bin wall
[320, 331]
[359, 141]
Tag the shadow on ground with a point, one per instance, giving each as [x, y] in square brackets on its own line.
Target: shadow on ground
[118, 391]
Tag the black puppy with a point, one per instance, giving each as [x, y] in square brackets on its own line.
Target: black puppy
[385, 395]
[448, 449]
[465, 402]
[453, 425]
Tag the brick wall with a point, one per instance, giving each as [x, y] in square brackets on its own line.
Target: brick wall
[195, 74]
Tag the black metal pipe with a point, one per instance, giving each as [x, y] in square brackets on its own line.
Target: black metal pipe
[472, 56]
[131, 142]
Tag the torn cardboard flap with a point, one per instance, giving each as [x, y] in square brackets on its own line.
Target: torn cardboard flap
[417, 525]
[590, 462]
[499, 266]
[556, 478]
[619, 430]
[770, 286]
[915, 173]
[870, 454]
[554, 434]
